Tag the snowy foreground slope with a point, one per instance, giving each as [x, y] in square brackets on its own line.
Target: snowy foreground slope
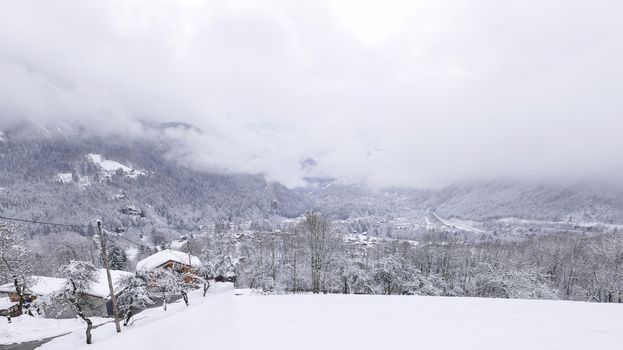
[25, 328]
[225, 321]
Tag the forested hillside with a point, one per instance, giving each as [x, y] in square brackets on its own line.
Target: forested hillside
[61, 176]
[66, 174]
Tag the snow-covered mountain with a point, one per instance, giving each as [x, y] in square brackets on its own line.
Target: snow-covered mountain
[564, 201]
[576, 201]
[61, 176]
[69, 175]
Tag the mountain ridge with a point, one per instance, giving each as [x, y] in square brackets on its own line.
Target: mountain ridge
[47, 174]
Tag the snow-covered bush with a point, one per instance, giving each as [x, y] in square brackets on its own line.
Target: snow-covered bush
[135, 297]
[167, 283]
[527, 283]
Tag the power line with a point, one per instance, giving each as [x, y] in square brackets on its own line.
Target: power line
[116, 235]
[44, 222]
[72, 226]
[131, 241]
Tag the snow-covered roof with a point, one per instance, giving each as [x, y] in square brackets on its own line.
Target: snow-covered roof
[42, 285]
[164, 256]
[37, 285]
[6, 303]
[100, 288]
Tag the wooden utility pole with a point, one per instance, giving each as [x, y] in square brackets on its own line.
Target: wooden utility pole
[113, 298]
[190, 261]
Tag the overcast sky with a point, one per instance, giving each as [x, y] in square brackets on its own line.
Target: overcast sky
[391, 93]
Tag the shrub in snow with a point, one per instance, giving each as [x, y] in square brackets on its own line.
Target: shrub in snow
[525, 283]
[420, 284]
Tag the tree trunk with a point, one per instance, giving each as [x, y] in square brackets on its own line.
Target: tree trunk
[294, 286]
[128, 317]
[20, 293]
[129, 314]
[185, 297]
[74, 301]
[89, 327]
[86, 319]
[206, 285]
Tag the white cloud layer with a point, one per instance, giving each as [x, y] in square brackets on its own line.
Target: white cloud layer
[408, 93]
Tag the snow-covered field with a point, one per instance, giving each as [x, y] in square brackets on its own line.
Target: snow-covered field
[224, 320]
[109, 167]
[433, 221]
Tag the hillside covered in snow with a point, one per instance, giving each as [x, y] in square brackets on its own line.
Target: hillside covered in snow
[64, 176]
[138, 184]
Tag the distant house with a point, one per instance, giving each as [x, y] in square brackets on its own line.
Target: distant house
[36, 286]
[98, 295]
[171, 259]
[8, 307]
[131, 210]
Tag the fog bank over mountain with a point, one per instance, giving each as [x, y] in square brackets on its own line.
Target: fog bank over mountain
[422, 94]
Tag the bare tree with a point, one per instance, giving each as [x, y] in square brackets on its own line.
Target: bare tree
[321, 241]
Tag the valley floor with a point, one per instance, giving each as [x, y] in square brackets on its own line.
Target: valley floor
[223, 320]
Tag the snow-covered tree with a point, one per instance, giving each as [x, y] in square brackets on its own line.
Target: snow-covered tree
[15, 263]
[167, 283]
[526, 283]
[135, 297]
[351, 273]
[256, 271]
[80, 277]
[390, 272]
[294, 261]
[322, 241]
[606, 267]
[217, 257]
[117, 257]
[419, 284]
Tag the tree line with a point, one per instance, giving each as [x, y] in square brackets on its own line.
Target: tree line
[315, 258]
